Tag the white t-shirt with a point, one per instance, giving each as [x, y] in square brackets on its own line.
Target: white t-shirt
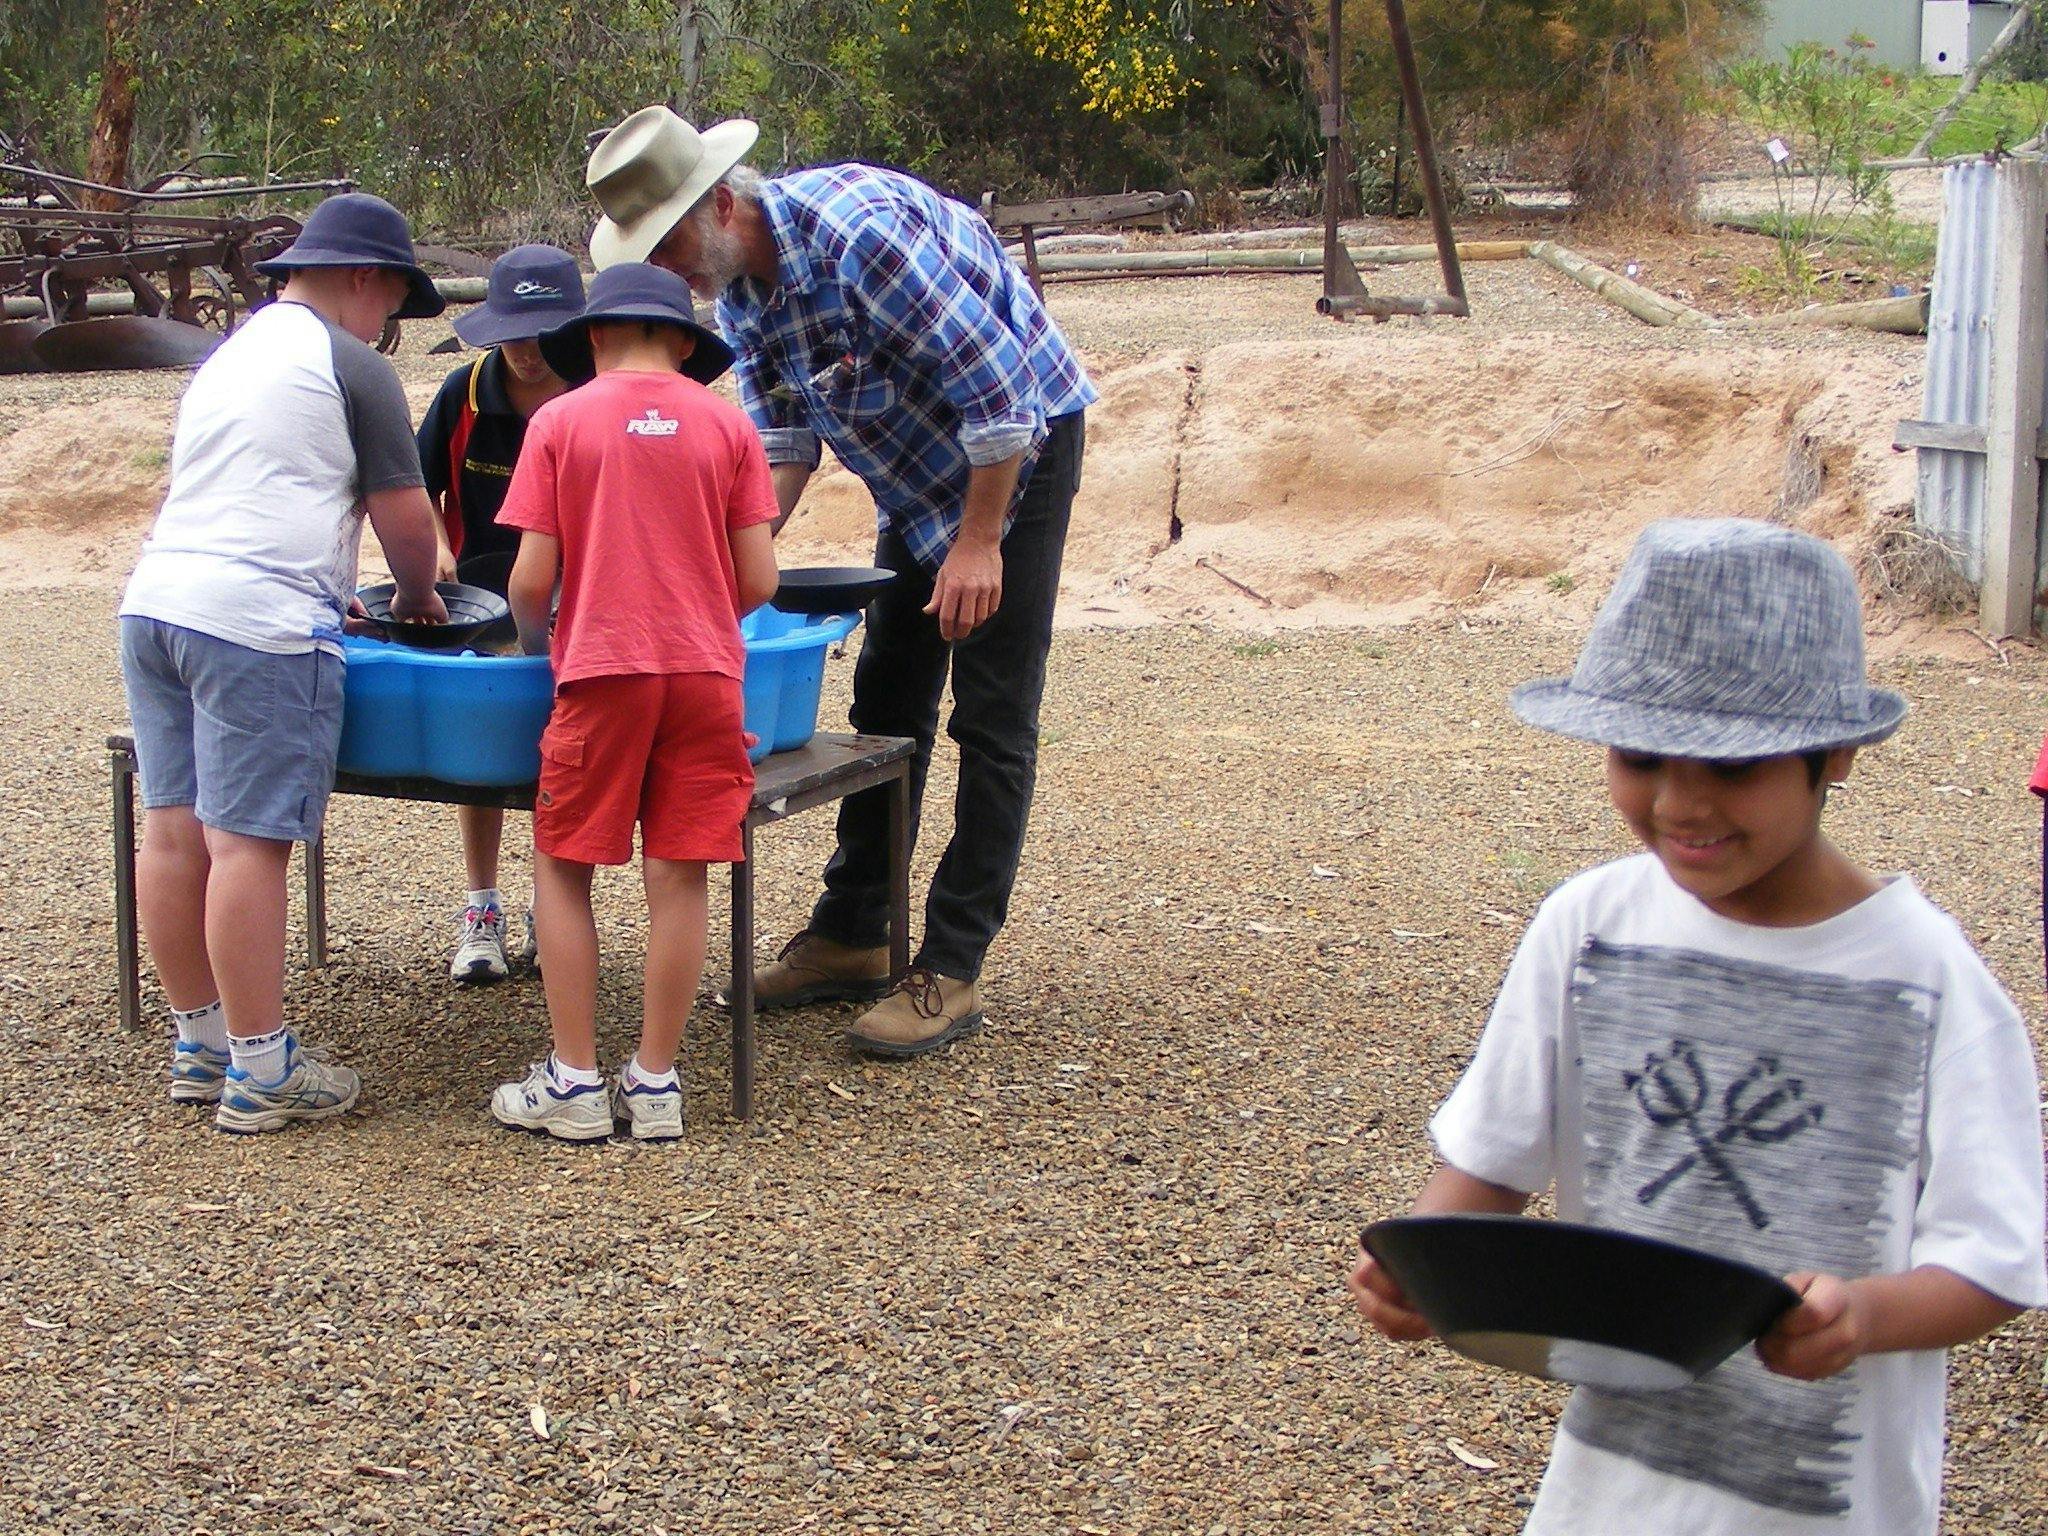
[283, 432]
[1870, 1098]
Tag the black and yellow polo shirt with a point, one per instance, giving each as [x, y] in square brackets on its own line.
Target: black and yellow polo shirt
[469, 442]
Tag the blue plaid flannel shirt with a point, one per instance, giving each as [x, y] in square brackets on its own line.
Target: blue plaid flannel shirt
[901, 335]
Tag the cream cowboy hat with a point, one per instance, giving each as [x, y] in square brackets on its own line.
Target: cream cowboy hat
[650, 171]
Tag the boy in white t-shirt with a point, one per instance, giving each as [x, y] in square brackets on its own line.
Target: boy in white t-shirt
[290, 435]
[1743, 1041]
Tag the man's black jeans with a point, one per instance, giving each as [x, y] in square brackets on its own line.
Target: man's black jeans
[998, 678]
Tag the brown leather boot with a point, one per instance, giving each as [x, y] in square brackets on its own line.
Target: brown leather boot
[811, 969]
[925, 1012]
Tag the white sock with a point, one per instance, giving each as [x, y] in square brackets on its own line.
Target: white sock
[573, 1077]
[264, 1057]
[489, 898]
[206, 1026]
[642, 1077]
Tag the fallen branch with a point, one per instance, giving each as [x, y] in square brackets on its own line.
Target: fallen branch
[2010, 34]
[1251, 592]
[1903, 315]
[1645, 304]
[1301, 259]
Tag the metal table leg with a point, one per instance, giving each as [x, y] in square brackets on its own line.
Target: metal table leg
[899, 872]
[127, 949]
[316, 903]
[741, 993]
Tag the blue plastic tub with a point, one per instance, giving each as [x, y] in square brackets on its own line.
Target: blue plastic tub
[470, 719]
[462, 718]
[785, 672]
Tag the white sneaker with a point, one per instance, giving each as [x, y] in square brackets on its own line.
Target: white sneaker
[197, 1073]
[654, 1111]
[576, 1112]
[529, 947]
[311, 1089]
[480, 957]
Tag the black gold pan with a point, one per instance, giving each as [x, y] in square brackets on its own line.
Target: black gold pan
[1576, 1303]
[829, 589]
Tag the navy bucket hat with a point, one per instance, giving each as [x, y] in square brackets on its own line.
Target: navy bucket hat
[355, 229]
[1722, 639]
[635, 291]
[533, 288]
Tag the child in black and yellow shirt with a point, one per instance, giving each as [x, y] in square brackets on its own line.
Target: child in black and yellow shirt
[469, 443]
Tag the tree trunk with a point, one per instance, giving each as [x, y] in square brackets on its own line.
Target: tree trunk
[113, 118]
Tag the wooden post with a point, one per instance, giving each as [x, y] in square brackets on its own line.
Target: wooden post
[2019, 325]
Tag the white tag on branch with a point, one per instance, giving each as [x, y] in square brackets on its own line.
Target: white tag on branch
[1470, 1457]
[1776, 149]
[537, 1416]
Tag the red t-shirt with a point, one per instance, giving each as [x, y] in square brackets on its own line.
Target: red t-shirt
[643, 477]
[2039, 782]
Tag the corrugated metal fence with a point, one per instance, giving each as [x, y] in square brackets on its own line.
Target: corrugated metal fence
[1981, 437]
[1949, 502]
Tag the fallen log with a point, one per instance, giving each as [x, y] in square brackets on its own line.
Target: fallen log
[456, 290]
[1645, 304]
[1902, 315]
[1304, 259]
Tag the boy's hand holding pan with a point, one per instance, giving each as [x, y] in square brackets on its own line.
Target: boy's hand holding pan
[1384, 1303]
[1820, 1337]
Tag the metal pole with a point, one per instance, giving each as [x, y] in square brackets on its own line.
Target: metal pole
[899, 872]
[127, 952]
[1425, 148]
[316, 903]
[741, 993]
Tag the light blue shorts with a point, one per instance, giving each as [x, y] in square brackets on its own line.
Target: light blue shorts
[246, 738]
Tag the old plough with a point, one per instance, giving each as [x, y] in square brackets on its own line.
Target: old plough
[98, 277]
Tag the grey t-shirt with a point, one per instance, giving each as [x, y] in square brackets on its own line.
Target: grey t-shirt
[284, 431]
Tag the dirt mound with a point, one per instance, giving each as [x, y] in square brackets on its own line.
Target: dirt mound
[1357, 477]
[78, 485]
[1319, 483]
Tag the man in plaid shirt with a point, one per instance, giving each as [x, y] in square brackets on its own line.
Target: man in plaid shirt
[874, 315]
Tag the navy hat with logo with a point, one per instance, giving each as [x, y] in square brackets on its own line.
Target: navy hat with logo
[533, 288]
[634, 290]
[355, 229]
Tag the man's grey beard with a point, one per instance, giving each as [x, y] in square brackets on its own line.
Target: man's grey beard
[721, 253]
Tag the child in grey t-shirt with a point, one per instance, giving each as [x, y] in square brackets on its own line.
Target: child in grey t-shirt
[290, 433]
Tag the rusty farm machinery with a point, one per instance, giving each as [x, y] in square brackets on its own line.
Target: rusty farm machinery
[96, 277]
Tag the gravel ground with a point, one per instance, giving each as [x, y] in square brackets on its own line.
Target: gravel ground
[1080, 1275]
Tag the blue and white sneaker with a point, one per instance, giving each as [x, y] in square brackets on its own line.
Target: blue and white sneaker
[197, 1073]
[480, 955]
[311, 1089]
[566, 1111]
[652, 1111]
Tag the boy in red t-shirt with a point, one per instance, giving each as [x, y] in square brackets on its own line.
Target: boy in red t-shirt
[651, 498]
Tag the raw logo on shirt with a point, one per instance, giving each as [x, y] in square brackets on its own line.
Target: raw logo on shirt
[653, 424]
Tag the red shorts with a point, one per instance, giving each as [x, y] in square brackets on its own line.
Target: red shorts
[664, 750]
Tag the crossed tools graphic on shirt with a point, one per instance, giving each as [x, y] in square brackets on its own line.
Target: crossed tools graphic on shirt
[1761, 1106]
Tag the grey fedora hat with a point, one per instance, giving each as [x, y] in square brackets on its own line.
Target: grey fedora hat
[1722, 639]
